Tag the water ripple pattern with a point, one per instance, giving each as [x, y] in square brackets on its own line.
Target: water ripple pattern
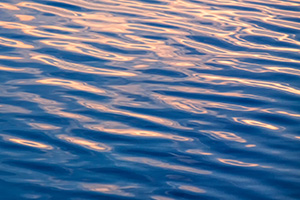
[150, 99]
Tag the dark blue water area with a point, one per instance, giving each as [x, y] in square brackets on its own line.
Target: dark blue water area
[149, 100]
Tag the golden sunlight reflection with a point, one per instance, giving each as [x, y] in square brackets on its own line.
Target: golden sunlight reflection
[20, 70]
[43, 126]
[199, 106]
[225, 135]
[250, 145]
[52, 107]
[8, 6]
[10, 69]
[199, 152]
[191, 188]
[2, 57]
[163, 165]
[222, 80]
[79, 67]
[86, 50]
[272, 111]
[5, 108]
[71, 84]
[100, 107]
[96, 146]
[30, 143]
[255, 123]
[155, 197]
[128, 131]
[198, 90]
[14, 43]
[108, 189]
[25, 17]
[237, 163]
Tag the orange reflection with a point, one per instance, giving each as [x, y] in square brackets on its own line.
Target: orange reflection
[102, 108]
[4, 108]
[79, 67]
[198, 90]
[159, 164]
[255, 123]
[41, 126]
[199, 106]
[66, 29]
[285, 70]
[96, 146]
[71, 84]
[108, 189]
[10, 57]
[15, 25]
[48, 9]
[161, 198]
[86, 50]
[250, 145]
[52, 107]
[197, 151]
[25, 17]
[222, 80]
[23, 70]
[30, 143]
[225, 135]
[10, 69]
[191, 189]
[281, 112]
[8, 6]
[14, 43]
[237, 163]
[136, 132]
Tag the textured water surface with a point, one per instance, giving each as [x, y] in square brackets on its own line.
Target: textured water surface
[150, 99]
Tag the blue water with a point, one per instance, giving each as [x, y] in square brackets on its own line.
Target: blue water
[150, 99]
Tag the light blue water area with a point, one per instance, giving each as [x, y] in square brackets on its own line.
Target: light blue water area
[149, 99]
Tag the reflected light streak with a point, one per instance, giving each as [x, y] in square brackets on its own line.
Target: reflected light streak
[8, 6]
[250, 145]
[108, 189]
[14, 43]
[198, 106]
[86, 50]
[191, 189]
[25, 17]
[225, 135]
[10, 57]
[237, 163]
[163, 165]
[20, 70]
[197, 90]
[4, 108]
[96, 146]
[42, 126]
[30, 143]
[161, 198]
[222, 80]
[199, 152]
[255, 123]
[102, 108]
[71, 84]
[136, 132]
[79, 67]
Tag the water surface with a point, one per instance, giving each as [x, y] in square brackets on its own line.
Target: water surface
[149, 99]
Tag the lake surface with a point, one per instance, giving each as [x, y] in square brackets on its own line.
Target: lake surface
[150, 99]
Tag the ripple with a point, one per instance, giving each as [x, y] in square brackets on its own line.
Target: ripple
[152, 99]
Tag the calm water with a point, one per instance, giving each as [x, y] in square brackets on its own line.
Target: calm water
[150, 99]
